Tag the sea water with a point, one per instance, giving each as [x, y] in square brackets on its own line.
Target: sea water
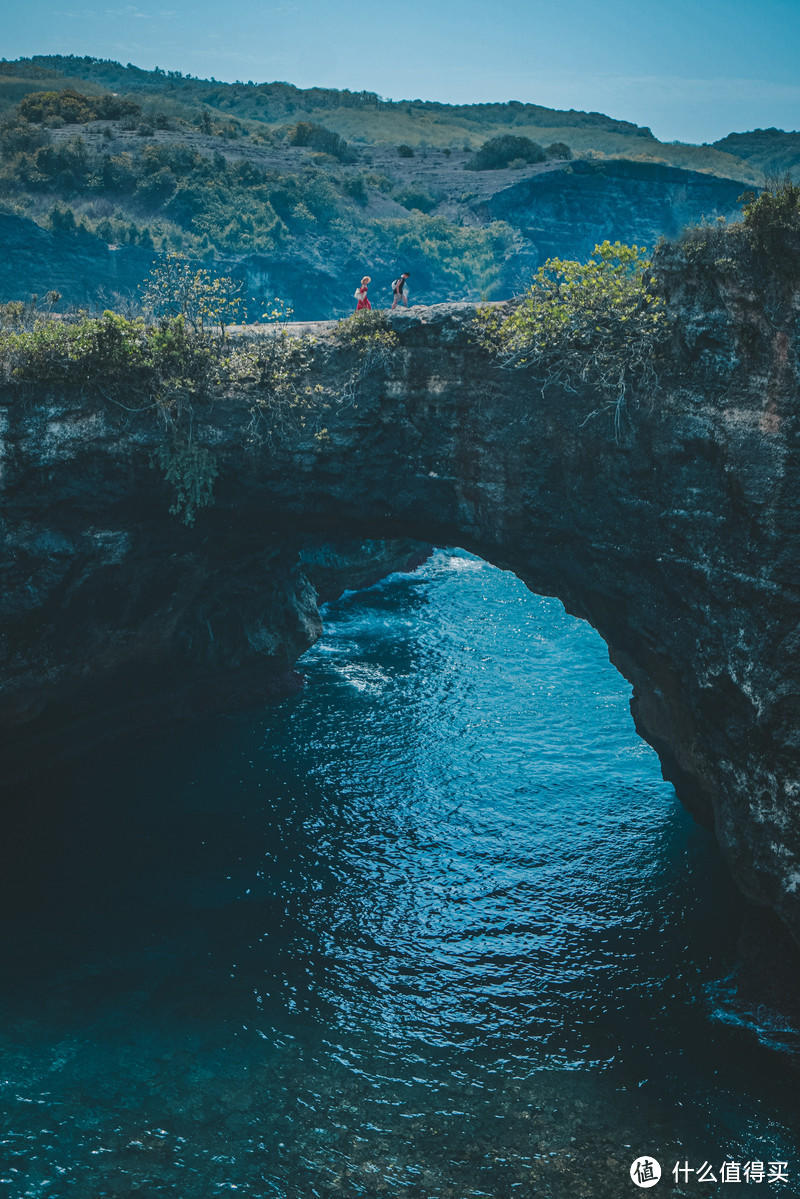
[434, 927]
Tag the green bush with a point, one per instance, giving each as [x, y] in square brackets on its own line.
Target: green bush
[596, 323]
[64, 168]
[764, 245]
[558, 150]
[109, 346]
[356, 188]
[317, 137]
[416, 197]
[773, 222]
[19, 315]
[381, 183]
[20, 137]
[176, 287]
[154, 190]
[71, 107]
[499, 152]
[366, 330]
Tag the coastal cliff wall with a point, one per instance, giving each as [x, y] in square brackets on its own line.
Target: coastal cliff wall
[566, 212]
[677, 539]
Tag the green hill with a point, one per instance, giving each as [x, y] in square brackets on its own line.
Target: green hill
[362, 117]
[772, 151]
[299, 191]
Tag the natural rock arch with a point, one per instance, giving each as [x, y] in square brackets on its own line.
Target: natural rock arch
[675, 540]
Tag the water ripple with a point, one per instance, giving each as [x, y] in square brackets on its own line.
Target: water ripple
[434, 928]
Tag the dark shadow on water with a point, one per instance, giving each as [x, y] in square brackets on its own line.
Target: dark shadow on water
[436, 923]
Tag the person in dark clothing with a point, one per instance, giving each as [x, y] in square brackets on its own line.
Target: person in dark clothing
[399, 292]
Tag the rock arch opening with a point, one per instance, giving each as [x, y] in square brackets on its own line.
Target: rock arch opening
[674, 540]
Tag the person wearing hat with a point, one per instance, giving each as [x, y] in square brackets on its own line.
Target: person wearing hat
[399, 290]
[361, 294]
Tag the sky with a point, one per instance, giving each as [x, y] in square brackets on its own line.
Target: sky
[693, 70]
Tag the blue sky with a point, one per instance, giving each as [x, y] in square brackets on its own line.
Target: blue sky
[691, 71]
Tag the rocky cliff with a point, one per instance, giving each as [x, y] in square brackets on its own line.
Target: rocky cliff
[82, 268]
[677, 539]
[566, 212]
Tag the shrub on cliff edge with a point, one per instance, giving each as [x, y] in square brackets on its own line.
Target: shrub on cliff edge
[773, 221]
[166, 375]
[594, 324]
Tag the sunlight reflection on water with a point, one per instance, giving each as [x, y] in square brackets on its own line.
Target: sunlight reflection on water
[434, 927]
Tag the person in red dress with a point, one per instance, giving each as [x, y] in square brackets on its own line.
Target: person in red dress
[361, 294]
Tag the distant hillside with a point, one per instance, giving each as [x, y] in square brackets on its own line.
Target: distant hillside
[299, 192]
[273, 102]
[364, 117]
[771, 150]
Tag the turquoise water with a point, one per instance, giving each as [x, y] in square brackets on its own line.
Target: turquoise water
[435, 927]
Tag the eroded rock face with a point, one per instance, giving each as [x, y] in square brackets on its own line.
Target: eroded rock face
[566, 212]
[678, 541]
[81, 267]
